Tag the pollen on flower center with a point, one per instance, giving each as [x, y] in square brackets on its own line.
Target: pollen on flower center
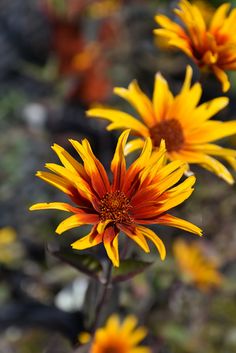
[115, 206]
[169, 130]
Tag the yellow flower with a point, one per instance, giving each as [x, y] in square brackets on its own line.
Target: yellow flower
[117, 337]
[11, 251]
[137, 196]
[179, 120]
[211, 46]
[196, 266]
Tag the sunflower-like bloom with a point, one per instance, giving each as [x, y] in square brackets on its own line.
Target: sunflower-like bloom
[211, 46]
[137, 196]
[179, 120]
[117, 337]
[196, 266]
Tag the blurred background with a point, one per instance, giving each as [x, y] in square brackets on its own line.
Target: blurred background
[57, 57]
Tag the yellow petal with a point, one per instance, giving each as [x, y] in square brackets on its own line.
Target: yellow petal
[68, 161]
[102, 225]
[54, 206]
[129, 324]
[211, 131]
[162, 98]
[138, 100]
[59, 182]
[137, 336]
[133, 145]
[187, 81]
[113, 324]
[119, 119]
[88, 241]
[215, 150]
[222, 77]
[175, 201]
[148, 233]
[76, 221]
[206, 110]
[137, 238]
[219, 17]
[172, 221]
[165, 22]
[110, 240]
[164, 184]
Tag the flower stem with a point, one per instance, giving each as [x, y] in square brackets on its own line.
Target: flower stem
[102, 301]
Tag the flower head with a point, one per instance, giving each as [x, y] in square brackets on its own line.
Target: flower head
[137, 196]
[196, 266]
[179, 120]
[211, 46]
[117, 337]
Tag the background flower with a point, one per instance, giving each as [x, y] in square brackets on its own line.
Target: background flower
[117, 337]
[211, 46]
[179, 120]
[196, 266]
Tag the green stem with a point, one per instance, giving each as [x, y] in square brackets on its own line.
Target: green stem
[102, 301]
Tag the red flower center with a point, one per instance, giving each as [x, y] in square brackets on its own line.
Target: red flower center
[115, 206]
[169, 130]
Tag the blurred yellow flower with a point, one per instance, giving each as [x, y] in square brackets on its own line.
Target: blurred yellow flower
[211, 46]
[196, 266]
[180, 121]
[138, 195]
[117, 337]
[10, 249]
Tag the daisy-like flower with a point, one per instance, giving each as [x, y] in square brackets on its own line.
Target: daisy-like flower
[179, 120]
[137, 196]
[196, 266]
[117, 337]
[210, 45]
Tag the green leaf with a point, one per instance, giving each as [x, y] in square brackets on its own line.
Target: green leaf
[128, 269]
[86, 263]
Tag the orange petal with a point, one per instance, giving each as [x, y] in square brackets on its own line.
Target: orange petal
[137, 238]
[118, 164]
[110, 240]
[77, 220]
[88, 241]
[93, 167]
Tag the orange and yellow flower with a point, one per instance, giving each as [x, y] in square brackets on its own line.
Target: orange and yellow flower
[196, 266]
[211, 46]
[137, 196]
[179, 120]
[117, 337]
